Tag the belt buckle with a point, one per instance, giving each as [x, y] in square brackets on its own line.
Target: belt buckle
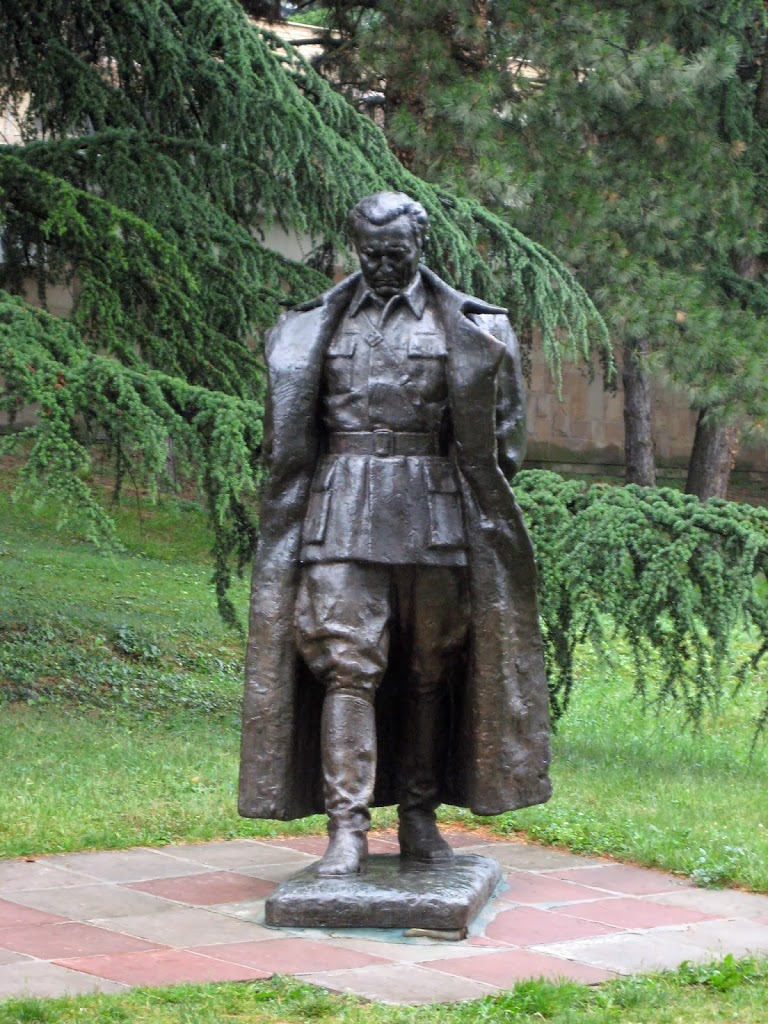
[383, 442]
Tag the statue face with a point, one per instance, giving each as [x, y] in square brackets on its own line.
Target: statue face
[389, 255]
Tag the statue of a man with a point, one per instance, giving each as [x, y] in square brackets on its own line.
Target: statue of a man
[394, 652]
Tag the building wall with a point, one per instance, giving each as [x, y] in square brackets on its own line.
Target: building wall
[586, 427]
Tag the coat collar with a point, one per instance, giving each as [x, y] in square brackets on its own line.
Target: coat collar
[414, 296]
[459, 302]
[307, 330]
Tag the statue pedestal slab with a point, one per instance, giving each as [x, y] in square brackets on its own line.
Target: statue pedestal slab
[391, 894]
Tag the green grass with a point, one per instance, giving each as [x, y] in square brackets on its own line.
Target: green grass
[729, 991]
[122, 691]
[643, 785]
[120, 727]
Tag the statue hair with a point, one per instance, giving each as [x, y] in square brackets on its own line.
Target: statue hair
[383, 207]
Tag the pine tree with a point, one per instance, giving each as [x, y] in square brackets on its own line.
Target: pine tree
[159, 137]
[629, 139]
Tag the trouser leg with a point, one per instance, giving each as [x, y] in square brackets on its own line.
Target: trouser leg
[342, 630]
[438, 626]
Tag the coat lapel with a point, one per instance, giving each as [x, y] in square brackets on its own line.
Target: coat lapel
[295, 363]
[474, 356]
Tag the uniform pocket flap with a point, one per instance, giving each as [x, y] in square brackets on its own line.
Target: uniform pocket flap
[343, 345]
[324, 478]
[427, 344]
[440, 479]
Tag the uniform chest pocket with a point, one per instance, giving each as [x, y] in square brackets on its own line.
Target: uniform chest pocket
[339, 363]
[426, 345]
[426, 362]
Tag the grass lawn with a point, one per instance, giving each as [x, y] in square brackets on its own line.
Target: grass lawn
[730, 991]
[122, 689]
[119, 694]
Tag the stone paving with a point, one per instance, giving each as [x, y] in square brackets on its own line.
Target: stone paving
[106, 921]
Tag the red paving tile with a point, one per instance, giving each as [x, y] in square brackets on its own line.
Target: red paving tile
[386, 840]
[527, 887]
[304, 844]
[623, 878]
[13, 915]
[382, 844]
[629, 912]
[206, 889]
[459, 839]
[527, 926]
[161, 967]
[291, 956]
[49, 941]
[503, 969]
[316, 845]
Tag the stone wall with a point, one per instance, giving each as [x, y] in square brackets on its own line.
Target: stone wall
[586, 428]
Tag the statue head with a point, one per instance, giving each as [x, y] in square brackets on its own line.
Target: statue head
[388, 230]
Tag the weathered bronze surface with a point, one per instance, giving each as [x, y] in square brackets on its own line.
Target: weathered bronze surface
[391, 894]
[394, 653]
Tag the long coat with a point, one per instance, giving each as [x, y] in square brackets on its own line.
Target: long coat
[499, 725]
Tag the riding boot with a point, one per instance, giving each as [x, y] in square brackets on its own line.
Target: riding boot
[423, 751]
[348, 747]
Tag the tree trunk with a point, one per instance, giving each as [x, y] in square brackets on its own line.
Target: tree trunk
[264, 10]
[712, 458]
[761, 93]
[639, 463]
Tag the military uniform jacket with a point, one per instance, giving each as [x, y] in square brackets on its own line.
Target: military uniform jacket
[385, 383]
[499, 733]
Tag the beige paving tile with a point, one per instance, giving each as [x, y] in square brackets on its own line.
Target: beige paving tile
[401, 984]
[7, 957]
[628, 952]
[86, 902]
[411, 951]
[38, 978]
[278, 872]
[739, 937]
[123, 865]
[183, 927]
[243, 910]
[530, 858]
[722, 902]
[36, 874]
[237, 854]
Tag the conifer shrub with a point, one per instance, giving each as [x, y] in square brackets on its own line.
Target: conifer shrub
[682, 582]
[160, 139]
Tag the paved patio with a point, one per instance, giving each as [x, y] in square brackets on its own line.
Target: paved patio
[107, 921]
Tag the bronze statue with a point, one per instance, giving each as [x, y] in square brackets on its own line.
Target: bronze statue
[394, 653]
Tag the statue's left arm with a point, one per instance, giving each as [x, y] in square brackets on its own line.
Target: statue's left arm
[511, 428]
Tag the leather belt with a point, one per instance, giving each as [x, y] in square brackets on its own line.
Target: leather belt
[382, 443]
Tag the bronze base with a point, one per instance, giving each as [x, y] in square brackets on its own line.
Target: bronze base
[392, 893]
